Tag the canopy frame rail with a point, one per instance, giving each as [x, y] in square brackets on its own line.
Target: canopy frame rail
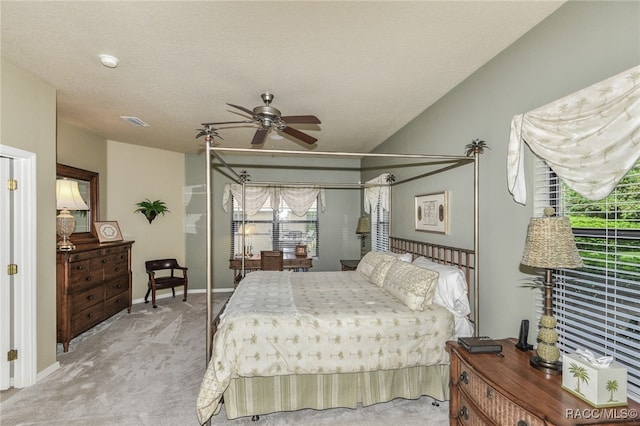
[472, 156]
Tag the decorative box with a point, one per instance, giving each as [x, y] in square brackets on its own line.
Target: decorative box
[599, 385]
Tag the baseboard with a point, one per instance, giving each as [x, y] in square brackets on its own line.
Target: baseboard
[50, 369]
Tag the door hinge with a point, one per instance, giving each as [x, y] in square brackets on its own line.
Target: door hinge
[12, 184]
[12, 269]
[12, 355]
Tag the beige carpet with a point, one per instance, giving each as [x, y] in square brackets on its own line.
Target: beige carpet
[145, 368]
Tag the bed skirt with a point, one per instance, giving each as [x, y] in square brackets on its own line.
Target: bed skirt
[263, 395]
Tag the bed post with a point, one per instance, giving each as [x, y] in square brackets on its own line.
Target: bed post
[476, 241]
[209, 251]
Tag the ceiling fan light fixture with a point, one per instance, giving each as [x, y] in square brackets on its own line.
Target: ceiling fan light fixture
[109, 61]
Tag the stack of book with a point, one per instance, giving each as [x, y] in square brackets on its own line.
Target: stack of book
[480, 345]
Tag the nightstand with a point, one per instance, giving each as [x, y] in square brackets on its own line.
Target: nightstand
[487, 389]
[349, 264]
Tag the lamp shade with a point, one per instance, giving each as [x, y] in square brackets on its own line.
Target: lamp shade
[550, 243]
[364, 227]
[247, 229]
[68, 196]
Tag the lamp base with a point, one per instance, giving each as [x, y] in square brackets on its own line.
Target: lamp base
[65, 246]
[553, 368]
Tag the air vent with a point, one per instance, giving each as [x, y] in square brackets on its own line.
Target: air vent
[135, 121]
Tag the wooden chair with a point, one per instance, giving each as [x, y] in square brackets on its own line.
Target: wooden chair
[271, 260]
[166, 279]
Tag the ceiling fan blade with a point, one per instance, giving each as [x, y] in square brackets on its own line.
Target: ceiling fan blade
[299, 135]
[258, 138]
[227, 122]
[248, 111]
[301, 119]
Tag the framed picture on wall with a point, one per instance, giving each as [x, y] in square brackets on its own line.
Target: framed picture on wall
[107, 231]
[431, 212]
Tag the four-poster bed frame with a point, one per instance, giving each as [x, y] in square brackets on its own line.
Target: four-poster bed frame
[467, 260]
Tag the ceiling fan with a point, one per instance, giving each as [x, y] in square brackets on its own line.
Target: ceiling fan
[268, 117]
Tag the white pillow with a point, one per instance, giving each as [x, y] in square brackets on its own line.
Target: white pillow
[412, 285]
[451, 290]
[405, 257]
[370, 260]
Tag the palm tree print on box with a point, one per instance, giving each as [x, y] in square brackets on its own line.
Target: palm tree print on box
[580, 373]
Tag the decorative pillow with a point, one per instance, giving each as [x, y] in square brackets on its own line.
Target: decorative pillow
[380, 272]
[451, 291]
[412, 285]
[370, 260]
[405, 257]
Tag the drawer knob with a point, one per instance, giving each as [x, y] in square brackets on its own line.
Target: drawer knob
[118, 285]
[88, 278]
[79, 267]
[464, 413]
[90, 297]
[90, 315]
[489, 392]
[104, 261]
[522, 423]
[464, 378]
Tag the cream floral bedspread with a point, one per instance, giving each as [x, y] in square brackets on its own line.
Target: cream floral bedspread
[279, 323]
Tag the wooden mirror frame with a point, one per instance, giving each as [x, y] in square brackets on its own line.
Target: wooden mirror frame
[94, 200]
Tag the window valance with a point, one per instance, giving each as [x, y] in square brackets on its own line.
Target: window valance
[380, 190]
[590, 138]
[299, 199]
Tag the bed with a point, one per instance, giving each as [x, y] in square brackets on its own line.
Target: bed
[287, 341]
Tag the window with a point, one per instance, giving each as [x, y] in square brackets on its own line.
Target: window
[275, 229]
[379, 228]
[597, 306]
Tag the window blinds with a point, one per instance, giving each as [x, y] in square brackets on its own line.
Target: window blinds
[598, 306]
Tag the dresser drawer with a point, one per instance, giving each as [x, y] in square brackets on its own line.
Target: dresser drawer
[84, 277]
[86, 298]
[87, 318]
[116, 303]
[496, 406]
[84, 255]
[115, 265]
[117, 286]
[468, 416]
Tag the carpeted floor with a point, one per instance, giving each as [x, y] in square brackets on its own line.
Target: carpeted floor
[145, 368]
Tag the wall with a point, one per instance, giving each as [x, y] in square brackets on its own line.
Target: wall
[580, 44]
[82, 149]
[28, 119]
[337, 224]
[134, 174]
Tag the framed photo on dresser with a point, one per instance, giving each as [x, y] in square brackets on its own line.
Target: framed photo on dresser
[108, 232]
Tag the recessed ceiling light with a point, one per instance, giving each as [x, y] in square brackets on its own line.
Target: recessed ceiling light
[109, 61]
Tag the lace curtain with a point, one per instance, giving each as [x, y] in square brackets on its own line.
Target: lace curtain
[590, 139]
[299, 199]
[380, 190]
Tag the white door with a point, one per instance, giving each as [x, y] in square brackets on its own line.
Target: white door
[6, 281]
[18, 246]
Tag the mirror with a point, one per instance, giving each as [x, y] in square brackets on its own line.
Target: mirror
[88, 186]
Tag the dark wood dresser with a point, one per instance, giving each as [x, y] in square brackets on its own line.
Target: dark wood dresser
[487, 389]
[93, 284]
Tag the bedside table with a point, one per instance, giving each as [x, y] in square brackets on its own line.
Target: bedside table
[494, 390]
[349, 264]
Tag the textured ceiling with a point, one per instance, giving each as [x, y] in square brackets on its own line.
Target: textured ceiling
[364, 68]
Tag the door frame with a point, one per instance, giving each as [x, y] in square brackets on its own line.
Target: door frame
[24, 255]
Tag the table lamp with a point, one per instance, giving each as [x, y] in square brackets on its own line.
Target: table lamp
[248, 229]
[363, 229]
[67, 198]
[549, 245]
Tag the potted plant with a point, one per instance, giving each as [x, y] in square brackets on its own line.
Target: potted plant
[151, 209]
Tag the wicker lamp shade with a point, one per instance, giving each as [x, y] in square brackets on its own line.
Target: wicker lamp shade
[550, 243]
